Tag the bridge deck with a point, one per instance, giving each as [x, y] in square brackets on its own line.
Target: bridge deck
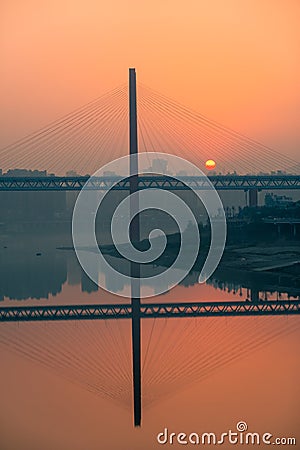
[220, 182]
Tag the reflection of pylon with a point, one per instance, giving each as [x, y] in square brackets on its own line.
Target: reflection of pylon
[135, 237]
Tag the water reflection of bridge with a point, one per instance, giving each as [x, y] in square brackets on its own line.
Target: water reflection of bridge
[150, 310]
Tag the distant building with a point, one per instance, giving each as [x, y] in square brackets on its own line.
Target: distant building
[278, 172]
[281, 201]
[72, 173]
[31, 205]
[181, 173]
[159, 166]
[109, 173]
[25, 173]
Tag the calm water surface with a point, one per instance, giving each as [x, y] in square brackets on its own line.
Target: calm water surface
[68, 385]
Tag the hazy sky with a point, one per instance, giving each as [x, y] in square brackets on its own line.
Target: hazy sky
[236, 61]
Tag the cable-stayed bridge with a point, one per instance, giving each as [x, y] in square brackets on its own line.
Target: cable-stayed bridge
[89, 137]
[86, 139]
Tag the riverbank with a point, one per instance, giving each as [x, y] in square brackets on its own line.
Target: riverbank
[262, 258]
[264, 267]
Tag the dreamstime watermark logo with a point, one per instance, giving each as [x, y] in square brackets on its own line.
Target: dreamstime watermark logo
[89, 201]
[241, 435]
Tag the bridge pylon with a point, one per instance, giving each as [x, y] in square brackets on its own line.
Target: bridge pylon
[135, 237]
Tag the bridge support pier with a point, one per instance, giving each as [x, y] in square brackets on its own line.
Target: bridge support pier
[253, 198]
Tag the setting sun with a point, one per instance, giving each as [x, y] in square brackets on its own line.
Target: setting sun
[210, 164]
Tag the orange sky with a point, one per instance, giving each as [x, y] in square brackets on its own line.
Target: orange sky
[235, 61]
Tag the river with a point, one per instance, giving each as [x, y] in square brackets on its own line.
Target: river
[68, 385]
